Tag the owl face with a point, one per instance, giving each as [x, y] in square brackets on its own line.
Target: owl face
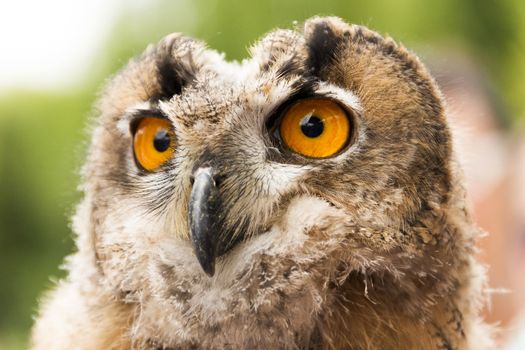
[216, 188]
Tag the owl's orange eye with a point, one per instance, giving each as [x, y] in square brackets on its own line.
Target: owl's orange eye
[153, 143]
[316, 128]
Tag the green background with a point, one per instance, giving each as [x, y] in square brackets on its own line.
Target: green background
[43, 133]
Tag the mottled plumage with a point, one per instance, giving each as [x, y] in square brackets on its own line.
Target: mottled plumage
[369, 249]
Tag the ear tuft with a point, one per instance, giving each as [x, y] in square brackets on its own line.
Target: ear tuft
[324, 38]
[176, 66]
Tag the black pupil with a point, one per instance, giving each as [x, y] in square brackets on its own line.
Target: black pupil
[312, 126]
[161, 141]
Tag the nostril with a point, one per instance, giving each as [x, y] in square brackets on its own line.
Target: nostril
[218, 179]
[207, 172]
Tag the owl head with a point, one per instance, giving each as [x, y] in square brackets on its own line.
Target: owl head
[222, 197]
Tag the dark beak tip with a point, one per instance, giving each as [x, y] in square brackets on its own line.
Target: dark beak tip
[208, 265]
[210, 270]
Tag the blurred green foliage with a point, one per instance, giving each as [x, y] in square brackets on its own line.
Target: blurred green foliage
[43, 133]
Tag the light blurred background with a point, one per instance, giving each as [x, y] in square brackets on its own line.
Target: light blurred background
[55, 55]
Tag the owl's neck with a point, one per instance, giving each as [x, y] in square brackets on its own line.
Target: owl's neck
[375, 313]
[363, 313]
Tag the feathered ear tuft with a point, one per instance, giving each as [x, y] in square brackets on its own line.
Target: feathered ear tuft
[376, 68]
[161, 72]
[176, 66]
[324, 40]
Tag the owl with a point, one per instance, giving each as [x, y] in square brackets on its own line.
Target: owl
[305, 198]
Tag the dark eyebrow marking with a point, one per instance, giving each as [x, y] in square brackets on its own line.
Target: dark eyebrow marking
[172, 78]
[174, 73]
[290, 66]
[304, 87]
[323, 46]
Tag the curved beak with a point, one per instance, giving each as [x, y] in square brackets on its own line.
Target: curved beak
[202, 218]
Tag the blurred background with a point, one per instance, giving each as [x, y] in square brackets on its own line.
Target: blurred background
[55, 56]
